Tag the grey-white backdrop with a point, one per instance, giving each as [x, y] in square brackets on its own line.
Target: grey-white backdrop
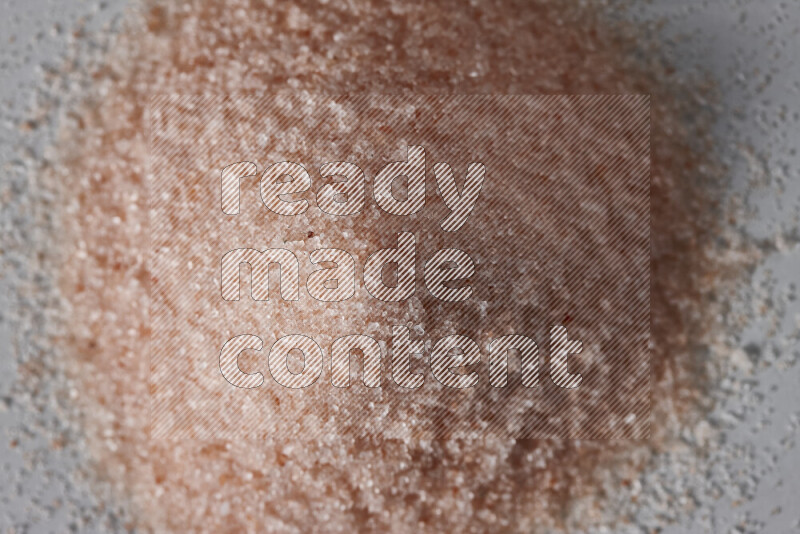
[744, 481]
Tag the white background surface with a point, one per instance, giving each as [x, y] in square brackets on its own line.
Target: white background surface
[748, 479]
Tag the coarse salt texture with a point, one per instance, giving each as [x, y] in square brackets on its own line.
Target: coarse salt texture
[345, 482]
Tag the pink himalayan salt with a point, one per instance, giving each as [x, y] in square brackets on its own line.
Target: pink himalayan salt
[347, 483]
